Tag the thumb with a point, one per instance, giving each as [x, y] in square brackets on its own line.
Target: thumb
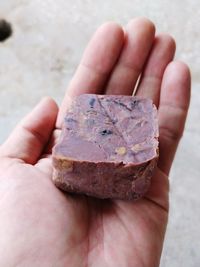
[29, 138]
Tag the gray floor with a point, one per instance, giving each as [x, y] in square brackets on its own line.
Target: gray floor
[40, 58]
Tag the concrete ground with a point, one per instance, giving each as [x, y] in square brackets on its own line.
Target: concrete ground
[39, 59]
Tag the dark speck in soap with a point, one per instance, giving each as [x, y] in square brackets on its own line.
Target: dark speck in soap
[134, 103]
[92, 101]
[106, 132]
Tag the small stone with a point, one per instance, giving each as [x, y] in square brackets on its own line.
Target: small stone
[5, 30]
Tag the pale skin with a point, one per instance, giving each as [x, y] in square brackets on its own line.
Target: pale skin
[42, 226]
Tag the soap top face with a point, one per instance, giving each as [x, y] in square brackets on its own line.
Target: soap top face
[109, 128]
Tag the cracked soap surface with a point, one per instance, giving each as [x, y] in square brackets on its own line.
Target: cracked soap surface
[109, 129]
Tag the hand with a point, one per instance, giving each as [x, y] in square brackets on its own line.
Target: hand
[42, 226]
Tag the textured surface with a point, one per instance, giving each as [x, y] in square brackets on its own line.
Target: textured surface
[119, 162]
[98, 123]
[49, 37]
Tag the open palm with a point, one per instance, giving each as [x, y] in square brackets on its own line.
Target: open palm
[42, 226]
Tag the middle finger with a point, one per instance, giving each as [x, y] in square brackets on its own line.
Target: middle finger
[140, 34]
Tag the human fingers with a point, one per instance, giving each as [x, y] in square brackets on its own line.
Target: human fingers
[173, 108]
[32, 134]
[96, 65]
[161, 55]
[138, 42]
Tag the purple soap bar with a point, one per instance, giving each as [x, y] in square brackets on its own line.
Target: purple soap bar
[108, 147]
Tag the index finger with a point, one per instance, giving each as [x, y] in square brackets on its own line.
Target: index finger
[96, 65]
